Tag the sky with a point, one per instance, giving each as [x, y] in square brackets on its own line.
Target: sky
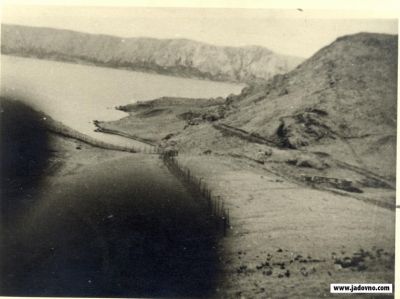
[297, 32]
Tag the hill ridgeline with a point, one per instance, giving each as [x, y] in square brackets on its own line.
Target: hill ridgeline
[178, 57]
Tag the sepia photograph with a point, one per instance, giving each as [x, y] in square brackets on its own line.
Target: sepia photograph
[197, 152]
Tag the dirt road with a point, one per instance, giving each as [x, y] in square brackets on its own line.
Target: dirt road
[121, 226]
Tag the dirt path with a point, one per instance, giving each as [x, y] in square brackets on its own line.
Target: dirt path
[123, 226]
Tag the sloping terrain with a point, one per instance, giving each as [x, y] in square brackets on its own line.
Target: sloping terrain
[333, 118]
[341, 101]
[179, 57]
[291, 241]
[163, 118]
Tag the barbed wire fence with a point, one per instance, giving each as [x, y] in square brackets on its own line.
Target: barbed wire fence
[65, 131]
[215, 204]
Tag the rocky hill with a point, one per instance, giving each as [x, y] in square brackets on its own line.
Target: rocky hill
[342, 101]
[179, 57]
[340, 104]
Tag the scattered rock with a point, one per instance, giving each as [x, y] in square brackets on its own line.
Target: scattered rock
[241, 269]
[338, 267]
[361, 267]
[263, 265]
[303, 261]
[268, 272]
[281, 265]
[356, 262]
[304, 271]
[298, 257]
[169, 136]
[313, 270]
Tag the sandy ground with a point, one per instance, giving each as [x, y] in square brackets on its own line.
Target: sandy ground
[103, 223]
[290, 241]
[286, 240]
[71, 156]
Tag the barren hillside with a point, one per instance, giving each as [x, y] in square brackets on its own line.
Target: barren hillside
[179, 57]
[341, 101]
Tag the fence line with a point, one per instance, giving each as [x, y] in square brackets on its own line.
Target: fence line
[63, 130]
[215, 204]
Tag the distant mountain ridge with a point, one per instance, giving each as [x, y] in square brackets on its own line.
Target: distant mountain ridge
[178, 57]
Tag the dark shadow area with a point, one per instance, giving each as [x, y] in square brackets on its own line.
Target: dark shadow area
[24, 150]
[116, 230]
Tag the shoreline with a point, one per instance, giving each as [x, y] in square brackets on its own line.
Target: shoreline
[62, 130]
[78, 61]
[101, 129]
